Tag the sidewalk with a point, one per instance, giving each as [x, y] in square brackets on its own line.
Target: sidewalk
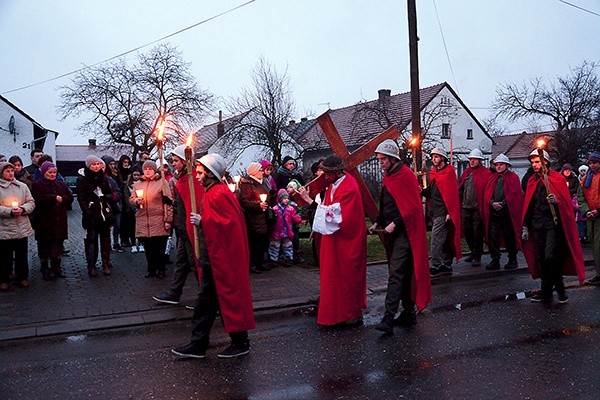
[78, 303]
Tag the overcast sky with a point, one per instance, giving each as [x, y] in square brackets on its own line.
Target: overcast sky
[337, 52]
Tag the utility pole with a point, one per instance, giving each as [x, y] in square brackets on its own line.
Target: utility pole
[415, 98]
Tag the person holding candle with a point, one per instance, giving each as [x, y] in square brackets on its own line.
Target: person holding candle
[53, 199]
[16, 204]
[255, 211]
[153, 218]
[222, 267]
[550, 242]
[95, 198]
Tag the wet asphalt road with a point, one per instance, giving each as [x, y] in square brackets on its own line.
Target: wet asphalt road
[476, 341]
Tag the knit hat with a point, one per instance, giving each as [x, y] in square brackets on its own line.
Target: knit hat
[282, 194]
[46, 166]
[107, 159]
[92, 159]
[265, 163]
[567, 166]
[4, 165]
[595, 157]
[315, 167]
[286, 159]
[150, 164]
[253, 169]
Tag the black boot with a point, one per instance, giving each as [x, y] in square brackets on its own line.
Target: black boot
[47, 274]
[56, 268]
[105, 254]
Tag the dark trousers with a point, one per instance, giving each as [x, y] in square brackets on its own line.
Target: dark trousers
[116, 230]
[401, 268]
[548, 246]
[91, 246]
[258, 244]
[501, 227]
[184, 264]
[127, 228]
[155, 253]
[207, 305]
[16, 248]
[473, 231]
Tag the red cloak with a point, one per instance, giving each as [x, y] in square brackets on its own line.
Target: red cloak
[573, 261]
[514, 201]
[183, 188]
[481, 175]
[447, 184]
[227, 246]
[404, 188]
[343, 259]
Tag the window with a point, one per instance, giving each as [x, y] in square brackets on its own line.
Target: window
[445, 101]
[469, 134]
[445, 131]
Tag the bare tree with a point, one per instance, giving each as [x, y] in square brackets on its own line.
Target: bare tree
[269, 106]
[124, 104]
[571, 103]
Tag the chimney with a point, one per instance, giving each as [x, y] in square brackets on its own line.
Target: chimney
[303, 119]
[92, 143]
[292, 122]
[220, 125]
[384, 93]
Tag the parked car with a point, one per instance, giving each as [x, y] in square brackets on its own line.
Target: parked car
[71, 182]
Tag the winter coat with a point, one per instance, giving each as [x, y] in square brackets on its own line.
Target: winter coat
[151, 218]
[289, 216]
[12, 227]
[256, 218]
[95, 198]
[51, 221]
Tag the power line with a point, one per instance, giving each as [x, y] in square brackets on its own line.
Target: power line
[579, 8]
[445, 48]
[130, 51]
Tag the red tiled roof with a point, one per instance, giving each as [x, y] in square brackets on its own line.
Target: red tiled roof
[518, 145]
[208, 134]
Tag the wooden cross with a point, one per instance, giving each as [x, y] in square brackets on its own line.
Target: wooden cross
[351, 160]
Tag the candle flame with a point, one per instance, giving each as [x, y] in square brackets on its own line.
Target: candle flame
[15, 204]
[231, 187]
[237, 178]
[139, 193]
[263, 197]
[189, 140]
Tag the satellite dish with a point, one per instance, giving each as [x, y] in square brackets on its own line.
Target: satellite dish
[11, 127]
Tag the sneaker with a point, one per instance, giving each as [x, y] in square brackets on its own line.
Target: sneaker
[141, 249]
[190, 350]
[444, 270]
[562, 298]
[386, 325]
[493, 265]
[134, 249]
[511, 264]
[235, 350]
[595, 281]
[539, 298]
[166, 298]
[118, 248]
[406, 319]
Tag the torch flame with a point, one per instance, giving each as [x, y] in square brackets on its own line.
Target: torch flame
[189, 140]
[161, 129]
[414, 141]
[541, 143]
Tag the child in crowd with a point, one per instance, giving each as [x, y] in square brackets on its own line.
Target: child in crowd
[282, 235]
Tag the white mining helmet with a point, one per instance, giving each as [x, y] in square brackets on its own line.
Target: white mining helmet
[583, 169]
[476, 153]
[215, 163]
[535, 153]
[440, 152]
[389, 148]
[179, 151]
[502, 159]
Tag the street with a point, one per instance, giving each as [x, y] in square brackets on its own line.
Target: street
[477, 340]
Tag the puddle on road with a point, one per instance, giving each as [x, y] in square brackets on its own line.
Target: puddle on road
[76, 338]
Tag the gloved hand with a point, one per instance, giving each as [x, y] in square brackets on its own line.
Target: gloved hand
[552, 199]
[497, 206]
[525, 233]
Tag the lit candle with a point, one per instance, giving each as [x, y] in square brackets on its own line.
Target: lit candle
[263, 197]
[15, 204]
[231, 187]
[140, 194]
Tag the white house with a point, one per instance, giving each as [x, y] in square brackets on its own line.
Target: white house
[19, 133]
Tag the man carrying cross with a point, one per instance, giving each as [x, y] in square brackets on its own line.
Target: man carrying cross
[343, 255]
